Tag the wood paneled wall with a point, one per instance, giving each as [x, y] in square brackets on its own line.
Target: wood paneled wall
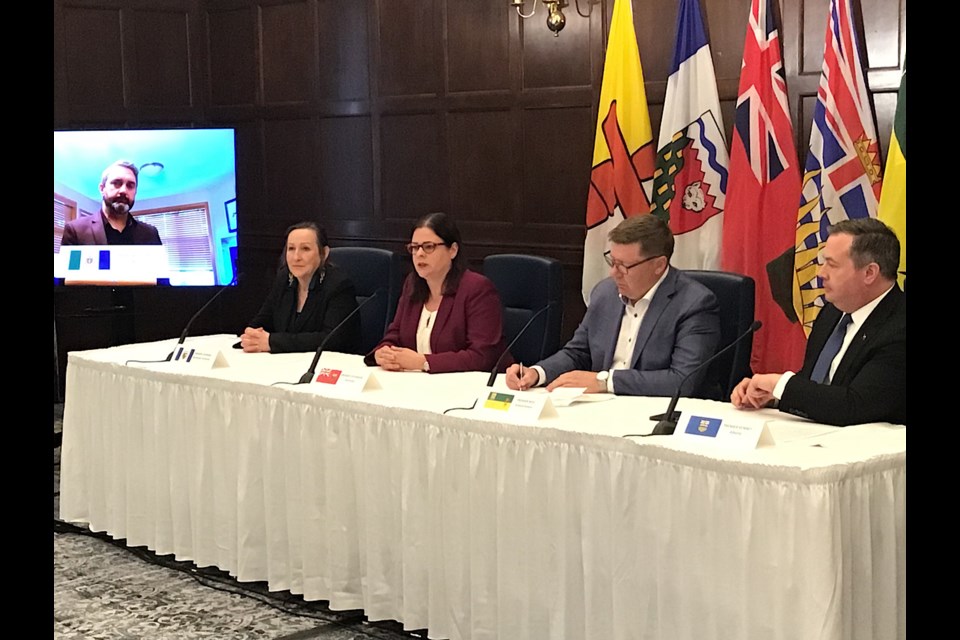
[365, 114]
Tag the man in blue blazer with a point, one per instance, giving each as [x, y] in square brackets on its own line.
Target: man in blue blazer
[855, 366]
[647, 326]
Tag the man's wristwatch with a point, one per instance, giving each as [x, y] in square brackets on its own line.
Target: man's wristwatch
[602, 377]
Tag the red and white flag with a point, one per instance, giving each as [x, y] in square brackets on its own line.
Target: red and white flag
[759, 221]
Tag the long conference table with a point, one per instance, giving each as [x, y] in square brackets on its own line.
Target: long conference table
[477, 529]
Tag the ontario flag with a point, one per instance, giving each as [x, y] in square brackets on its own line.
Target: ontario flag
[759, 223]
[623, 156]
[690, 179]
[842, 176]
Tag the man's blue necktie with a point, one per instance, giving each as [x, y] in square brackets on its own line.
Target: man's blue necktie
[821, 370]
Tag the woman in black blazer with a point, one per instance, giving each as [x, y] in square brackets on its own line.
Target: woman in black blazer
[309, 298]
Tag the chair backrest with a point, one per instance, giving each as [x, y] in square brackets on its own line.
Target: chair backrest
[370, 269]
[736, 294]
[527, 284]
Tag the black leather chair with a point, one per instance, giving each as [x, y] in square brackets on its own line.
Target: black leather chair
[371, 269]
[736, 294]
[527, 284]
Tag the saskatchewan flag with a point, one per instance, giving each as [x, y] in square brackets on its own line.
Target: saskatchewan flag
[893, 198]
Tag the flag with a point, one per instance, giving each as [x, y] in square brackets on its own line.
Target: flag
[690, 178]
[759, 224]
[842, 176]
[623, 154]
[893, 198]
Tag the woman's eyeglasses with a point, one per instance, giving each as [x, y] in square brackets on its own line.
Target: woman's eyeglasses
[428, 247]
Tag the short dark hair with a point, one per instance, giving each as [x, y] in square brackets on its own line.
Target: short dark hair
[126, 164]
[649, 231]
[873, 241]
[444, 226]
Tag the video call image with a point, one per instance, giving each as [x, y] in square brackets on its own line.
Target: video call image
[145, 207]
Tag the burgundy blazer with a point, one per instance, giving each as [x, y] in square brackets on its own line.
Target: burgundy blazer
[467, 334]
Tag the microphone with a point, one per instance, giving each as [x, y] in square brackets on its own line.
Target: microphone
[306, 377]
[668, 421]
[493, 373]
[186, 329]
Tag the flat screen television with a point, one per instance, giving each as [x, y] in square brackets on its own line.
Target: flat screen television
[186, 189]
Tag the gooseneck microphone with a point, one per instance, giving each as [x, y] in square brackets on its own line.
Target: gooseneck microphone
[308, 376]
[667, 422]
[493, 372]
[186, 329]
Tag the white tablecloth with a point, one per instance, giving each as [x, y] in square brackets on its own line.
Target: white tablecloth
[476, 529]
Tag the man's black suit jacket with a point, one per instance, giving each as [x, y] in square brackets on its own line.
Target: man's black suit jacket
[870, 384]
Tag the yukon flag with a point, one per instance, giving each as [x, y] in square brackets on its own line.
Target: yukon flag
[893, 198]
[690, 179]
[842, 177]
[759, 224]
[623, 155]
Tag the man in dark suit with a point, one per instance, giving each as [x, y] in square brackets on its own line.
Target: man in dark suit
[114, 225]
[855, 367]
[647, 326]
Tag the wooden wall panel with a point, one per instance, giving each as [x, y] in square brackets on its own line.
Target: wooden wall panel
[288, 40]
[478, 41]
[291, 174]
[409, 34]
[346, 182]
[482, 179]
[554, 188]
[556, 61]
[344, 49]
[413, 166]
[232, 45]
[93, 55]
[162, 58]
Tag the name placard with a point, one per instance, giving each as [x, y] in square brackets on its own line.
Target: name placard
[342, 382]
[730, 431]
[521, 407]
[198, 358]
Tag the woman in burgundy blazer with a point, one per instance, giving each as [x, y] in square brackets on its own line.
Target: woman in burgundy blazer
[456, 312]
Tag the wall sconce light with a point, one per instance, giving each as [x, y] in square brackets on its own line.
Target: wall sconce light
[556, 21]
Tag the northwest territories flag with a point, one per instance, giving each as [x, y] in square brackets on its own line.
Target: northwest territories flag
[842, 176]
[623, 155]
[690, 179]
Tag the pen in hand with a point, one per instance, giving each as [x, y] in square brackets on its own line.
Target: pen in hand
[521, 377]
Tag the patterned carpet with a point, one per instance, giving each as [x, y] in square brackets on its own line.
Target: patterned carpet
[104, 590]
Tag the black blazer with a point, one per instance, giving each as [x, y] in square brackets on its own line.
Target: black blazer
[870, 384]
[328, 303]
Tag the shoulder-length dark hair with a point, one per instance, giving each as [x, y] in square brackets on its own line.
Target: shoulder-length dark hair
[444, 226]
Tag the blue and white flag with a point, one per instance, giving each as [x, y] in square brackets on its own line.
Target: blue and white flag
[690, 179]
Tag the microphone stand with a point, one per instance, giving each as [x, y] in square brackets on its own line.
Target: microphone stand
[667, 422]
[308, 375]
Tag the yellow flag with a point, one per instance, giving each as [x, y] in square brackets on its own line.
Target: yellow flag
[893, 198]
[623, 155]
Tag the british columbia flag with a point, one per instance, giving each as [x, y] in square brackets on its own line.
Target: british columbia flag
[842, 177]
